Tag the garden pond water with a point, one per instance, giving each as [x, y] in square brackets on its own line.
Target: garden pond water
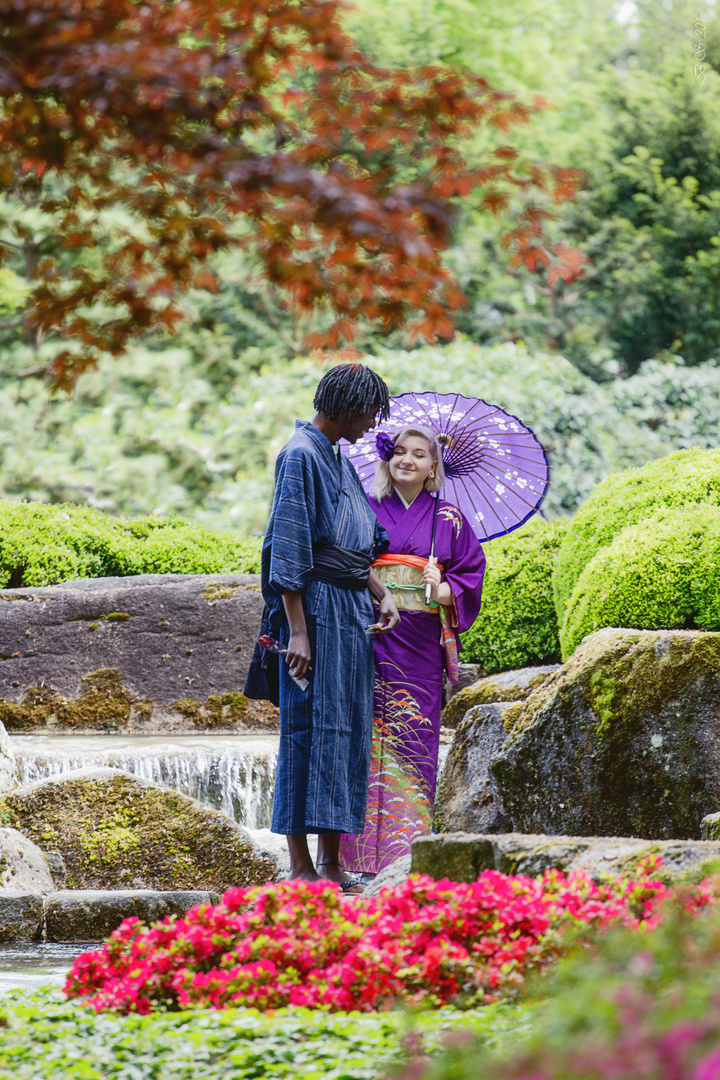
[28, 965]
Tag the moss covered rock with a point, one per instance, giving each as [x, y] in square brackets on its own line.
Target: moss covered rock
[505, 686]
[517, 625]
[115, 831]
[464, 856]
[623, 740]
[156, 652]
[663, 572]
[627, 498]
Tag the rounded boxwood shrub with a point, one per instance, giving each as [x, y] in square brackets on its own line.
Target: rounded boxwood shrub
[43, 544]
[629, 497]
[662, 573]
[517, 626]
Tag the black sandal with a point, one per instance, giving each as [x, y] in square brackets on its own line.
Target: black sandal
[345, 886]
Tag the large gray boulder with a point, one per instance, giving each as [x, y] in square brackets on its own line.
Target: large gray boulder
[88, 915]
[622, 740]
[467, 799]
[23, 865]
[464, 856]
[156, 652]
[117, 831]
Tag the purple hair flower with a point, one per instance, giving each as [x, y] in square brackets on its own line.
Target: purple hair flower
[385, 446]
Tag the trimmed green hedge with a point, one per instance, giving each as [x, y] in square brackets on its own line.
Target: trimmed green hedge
[47, 1038]
[517, 626]
[628, 498]
[663, 572]
[43, 544]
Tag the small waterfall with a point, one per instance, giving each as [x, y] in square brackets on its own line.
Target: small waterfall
[232, 773]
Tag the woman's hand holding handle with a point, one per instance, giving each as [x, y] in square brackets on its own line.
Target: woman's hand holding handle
[431, 577]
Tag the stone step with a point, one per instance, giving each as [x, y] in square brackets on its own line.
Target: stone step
[464, 856]
[88, 914]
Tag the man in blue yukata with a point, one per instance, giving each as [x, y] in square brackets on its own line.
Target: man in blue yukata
[319, 587]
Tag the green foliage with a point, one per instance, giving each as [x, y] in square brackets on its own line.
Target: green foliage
[624, 1007]
[680, 403]
[627, 498]
[195, 430]
[43, 545]
[661, 573]
[517, 626]
[48, 1038]
[650, 222]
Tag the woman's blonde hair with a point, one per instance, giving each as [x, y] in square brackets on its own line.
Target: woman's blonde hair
[383, 486]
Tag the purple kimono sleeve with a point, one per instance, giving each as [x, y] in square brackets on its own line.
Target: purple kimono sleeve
[464, 573]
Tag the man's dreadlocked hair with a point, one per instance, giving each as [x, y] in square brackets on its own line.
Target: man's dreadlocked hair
[351, 389]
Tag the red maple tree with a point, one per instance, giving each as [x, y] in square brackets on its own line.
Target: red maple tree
[213, 123]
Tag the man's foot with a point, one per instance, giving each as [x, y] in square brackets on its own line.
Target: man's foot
[303, 875]
[349, 883]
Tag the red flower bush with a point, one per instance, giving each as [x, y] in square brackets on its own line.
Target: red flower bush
[302, 943]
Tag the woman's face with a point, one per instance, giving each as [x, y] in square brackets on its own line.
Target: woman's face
[412, 463]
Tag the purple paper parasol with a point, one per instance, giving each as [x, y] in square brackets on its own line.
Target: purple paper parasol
[496, 471]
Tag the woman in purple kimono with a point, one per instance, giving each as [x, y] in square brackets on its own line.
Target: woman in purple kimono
[409, 663]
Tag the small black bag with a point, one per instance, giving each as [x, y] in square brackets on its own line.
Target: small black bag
[263, 677]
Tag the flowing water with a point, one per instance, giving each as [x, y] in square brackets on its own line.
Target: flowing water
[28, 965]
[233, 773]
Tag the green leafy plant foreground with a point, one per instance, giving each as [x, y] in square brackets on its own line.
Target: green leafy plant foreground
[618, 1008]
[48, 1038]
[517, 625]
[43, 545]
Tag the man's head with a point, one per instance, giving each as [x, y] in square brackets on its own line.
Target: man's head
[352, 397]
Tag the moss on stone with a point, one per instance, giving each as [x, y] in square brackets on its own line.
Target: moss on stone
[114, 831]
[105, 704]
[624, 675]
[220, 710]
[487, 692]
[480, 693]
[213, 593]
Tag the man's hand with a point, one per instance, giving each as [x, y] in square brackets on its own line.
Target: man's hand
[298, 655]
[388, 617]
[382, 596]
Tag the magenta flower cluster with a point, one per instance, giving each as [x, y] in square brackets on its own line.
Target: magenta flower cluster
[301, 943]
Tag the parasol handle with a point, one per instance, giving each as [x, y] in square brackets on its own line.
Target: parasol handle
[442, 441]
[428, 588]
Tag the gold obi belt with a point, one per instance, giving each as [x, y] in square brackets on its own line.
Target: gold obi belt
[402, 574]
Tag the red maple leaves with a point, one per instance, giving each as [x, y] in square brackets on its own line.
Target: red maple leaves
[210, 123]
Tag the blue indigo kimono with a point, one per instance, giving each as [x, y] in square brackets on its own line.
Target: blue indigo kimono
[321, 782]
